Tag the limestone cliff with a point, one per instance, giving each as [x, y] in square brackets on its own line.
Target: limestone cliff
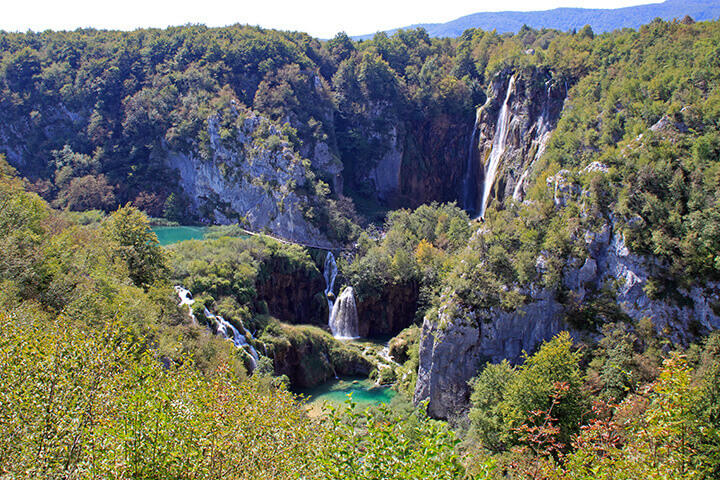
[253, 176]
[408, 163]
[432, 168]
[511, 132]
[295, 298]
[310, 356]
[389, 312]
[455, 345]
[459, 341]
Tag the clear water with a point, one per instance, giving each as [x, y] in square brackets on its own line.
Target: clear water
[364, 393]
[170, 235]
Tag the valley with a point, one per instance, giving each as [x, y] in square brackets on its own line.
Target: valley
[199, 223]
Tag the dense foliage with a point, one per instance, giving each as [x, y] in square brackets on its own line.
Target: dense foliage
[90, 321]
[416, 249]
[657, 133]
[106, 378]
[536, 420]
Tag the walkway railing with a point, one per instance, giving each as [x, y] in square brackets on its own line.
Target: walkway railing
[288, 241]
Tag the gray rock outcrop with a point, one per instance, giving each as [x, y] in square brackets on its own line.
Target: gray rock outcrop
[249, 179]
[457, 344]
[532, 101]
[453, 348]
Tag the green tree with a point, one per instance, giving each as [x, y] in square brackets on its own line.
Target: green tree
[488, 394]
[504, 399]
[136, 245]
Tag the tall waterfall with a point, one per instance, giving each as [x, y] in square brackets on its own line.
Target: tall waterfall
[344, 317]
[470, 181]
[543, 130]
[224, 328]
[498, 147]
[330, 273]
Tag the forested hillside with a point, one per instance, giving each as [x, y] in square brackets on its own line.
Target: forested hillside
[103, 375]
[532, 217]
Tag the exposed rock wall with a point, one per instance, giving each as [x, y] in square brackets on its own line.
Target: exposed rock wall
[309, 359]
[454, 347]
[691, 312]
[295, 298]
[414, 162]
[385, 175]
[535, 101]
[249, 180]
[433, 160]
[457, 344]
[389, 312]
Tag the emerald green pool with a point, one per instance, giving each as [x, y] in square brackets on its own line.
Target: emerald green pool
[364, 393]
[169, 235]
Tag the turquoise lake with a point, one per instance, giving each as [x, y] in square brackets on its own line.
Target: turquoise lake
[364, 393]
[169, 235]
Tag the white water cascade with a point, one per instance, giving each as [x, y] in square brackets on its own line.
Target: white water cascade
[498, 147]
[543, 131]
[224, 328]
[186, 298]
[344, 316]
[330, 271]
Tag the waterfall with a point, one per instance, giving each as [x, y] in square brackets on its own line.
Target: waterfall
[186, 298]
[330, 273]
[498, 147]
[344, 317]
[518, 191]
[470, 183]
[224, 328]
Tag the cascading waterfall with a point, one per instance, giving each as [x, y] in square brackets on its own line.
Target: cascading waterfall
[186, 298]
[224, 328]
[498, 148]
[470, 182]
[517, 192]
[330, 273]
[344, 316]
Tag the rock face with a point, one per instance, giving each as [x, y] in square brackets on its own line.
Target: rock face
[389, 312]
[692, 312]
[385, 175]
[454, 346]
[295, 298]
[412, 162]
[433, 160]
[309, 359]
[249, 178]
[522, 110]
[324, 162]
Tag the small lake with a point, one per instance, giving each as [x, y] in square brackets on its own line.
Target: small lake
[364, 392]
[169, 235]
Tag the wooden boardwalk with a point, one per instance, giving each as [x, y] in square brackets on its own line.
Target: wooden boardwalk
[288, 241]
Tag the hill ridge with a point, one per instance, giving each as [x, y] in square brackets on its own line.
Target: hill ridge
[566, 18]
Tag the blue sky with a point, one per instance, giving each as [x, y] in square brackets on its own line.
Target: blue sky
[320, 18]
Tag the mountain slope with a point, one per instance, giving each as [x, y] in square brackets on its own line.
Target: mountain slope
[601, 20]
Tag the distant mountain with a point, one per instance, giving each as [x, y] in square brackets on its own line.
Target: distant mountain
[601, 20]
